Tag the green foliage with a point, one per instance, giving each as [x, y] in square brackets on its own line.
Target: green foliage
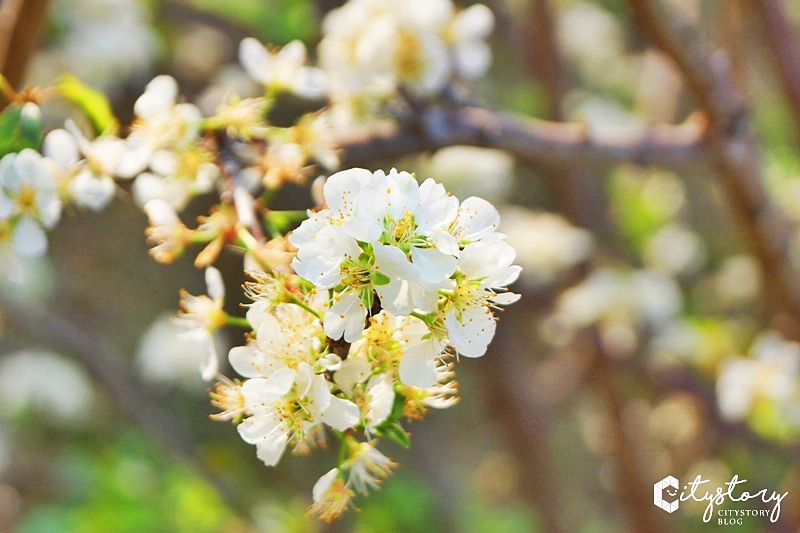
[638, 214]
[402, 504]
[128, 488]
[277, 21]
[93, 103]
[483, 517]
[19, 130]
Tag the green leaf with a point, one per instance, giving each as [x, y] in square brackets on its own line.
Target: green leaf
[395, 433]
[19, 130]
[92, 102]
[379, 278]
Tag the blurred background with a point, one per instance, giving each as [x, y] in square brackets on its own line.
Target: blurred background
[647, 342]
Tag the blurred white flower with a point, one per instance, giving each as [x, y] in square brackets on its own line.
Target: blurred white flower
[166, 231]
[163, 139]
[283, 70]
[202, 316]
[46, 382]
[29, 199]
[546, 243]
[93, 186]
[675, 249]
[772, 372]
[739, 279]
[620, 303]
[372, 46]
[331, 496]
[367, 467]
[92, 47]
[467, 171]
[165, 356]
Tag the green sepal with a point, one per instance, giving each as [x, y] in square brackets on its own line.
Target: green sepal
[19, 131]
[379, 278]
[395, 433]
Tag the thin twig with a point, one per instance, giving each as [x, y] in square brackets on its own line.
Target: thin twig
[731, 142]
[530, 140]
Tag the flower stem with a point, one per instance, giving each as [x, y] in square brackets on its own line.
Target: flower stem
[342, 449]
[294, 300]
[237, 321]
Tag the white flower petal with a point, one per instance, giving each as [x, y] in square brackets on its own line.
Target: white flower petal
[28, 238]
[271, 449]
[61, 147]
[323, 484]
[392, 262]
[477, 218]
[418, 367]
[434, 266]
[279, 383]
[214, 284]
[340, 414]
[472, 335]
[243, 361]
[346, 317]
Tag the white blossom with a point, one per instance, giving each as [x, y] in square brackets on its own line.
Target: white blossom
[486, 269]
[331, 496]
[283, 70]
[202, 315]
[367, 467]
[286, 406]
[29, 198]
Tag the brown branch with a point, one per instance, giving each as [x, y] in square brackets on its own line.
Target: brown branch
[783, 45]
[524, 424]
[530, 140]
[20, 25]
[635, 492]
[9, 13]
[731, 142]
[544, 57]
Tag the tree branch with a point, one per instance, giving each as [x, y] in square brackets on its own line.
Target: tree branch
[530, 140]
[20, 26]
[731, 143]
[783, 45]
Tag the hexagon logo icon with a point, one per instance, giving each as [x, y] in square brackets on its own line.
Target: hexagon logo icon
[669, 485]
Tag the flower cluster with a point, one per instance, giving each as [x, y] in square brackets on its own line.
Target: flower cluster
[372, 47]
[356, 315]
[387, 276]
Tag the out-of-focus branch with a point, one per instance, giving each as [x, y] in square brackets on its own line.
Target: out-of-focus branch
[634, 490]
[733, 148]
[9, 13]
[530, 140]
[579, 192]
[107, 365]
[545, 59]
[783, 45]
[525, 426]
[20, 26]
